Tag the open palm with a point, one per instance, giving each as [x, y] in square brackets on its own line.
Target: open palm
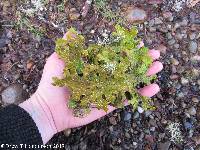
[56, 98]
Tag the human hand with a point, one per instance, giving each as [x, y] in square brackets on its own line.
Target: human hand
[50, 102]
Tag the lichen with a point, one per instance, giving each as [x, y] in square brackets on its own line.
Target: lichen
[176, 134]
[99, 75]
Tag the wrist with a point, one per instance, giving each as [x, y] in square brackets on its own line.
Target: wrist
[42, 116]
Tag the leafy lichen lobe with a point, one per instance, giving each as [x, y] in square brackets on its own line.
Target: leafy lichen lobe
[99, 75]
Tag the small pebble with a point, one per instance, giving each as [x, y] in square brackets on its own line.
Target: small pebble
[13, 94]
[136, 15]
[178, 86]
[176, 46]
[127, 116]
[157, 21]
[188, 125]
[192, 111]
[192, 36]
[171, 42]
[3, 42]
[151, 22]
[164, 146]
[155, 1]
[149, 138]
[197, 140]
[164, 121]
[183, 104]
[141, 136]
[179, 36]
[174, 61]
[184, 81]
[112, 120]
[193, 46]
[152, 129]
[174, 76]
[195, 72]
[140, 109]
[127, 135]
[92, 31]
[67, 132]
[74, 15]
[162, 48]
[152, 122]
[180, 95]
[184, 22]
[195, 100]
[152, 29]
[168, 16]
[195, 58]
[16, 76]
[198, 81]
[164, 29]
[169, 36]
[134, 143]
[148, 113]
[136, 115]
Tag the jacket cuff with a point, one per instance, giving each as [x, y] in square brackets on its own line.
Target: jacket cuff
[17, 127]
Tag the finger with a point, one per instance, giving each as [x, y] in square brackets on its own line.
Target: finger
[155, 68]
[149, 90]
[92, 116]
[53, 68]
[100, 113]
[55, 58]
[155, 54]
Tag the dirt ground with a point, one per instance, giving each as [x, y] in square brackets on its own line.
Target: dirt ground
[27, 38]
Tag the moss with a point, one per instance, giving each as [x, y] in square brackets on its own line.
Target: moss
[99, 75]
